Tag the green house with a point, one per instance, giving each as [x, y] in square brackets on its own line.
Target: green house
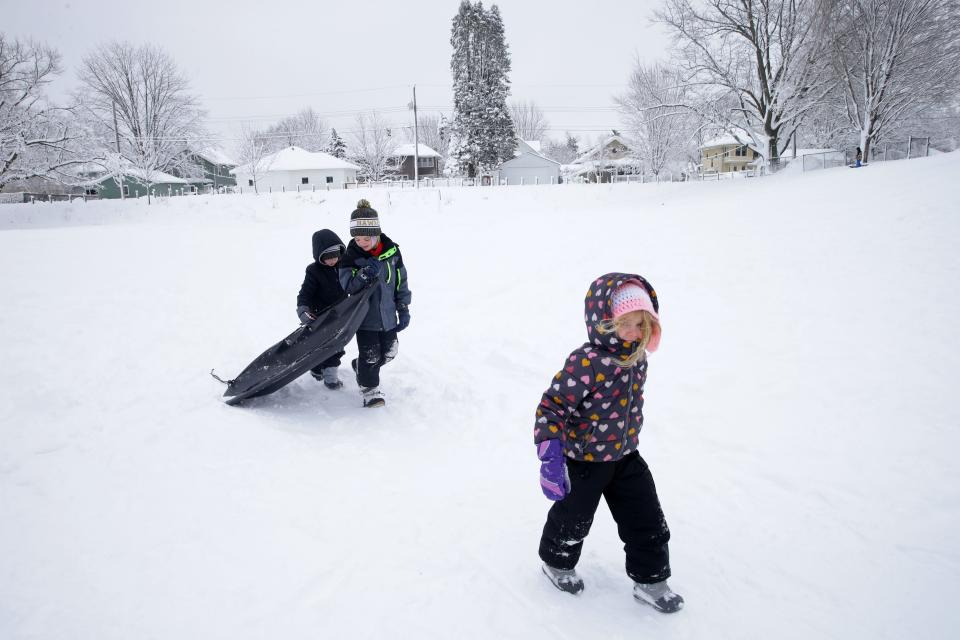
[215, 166]
[164, 184]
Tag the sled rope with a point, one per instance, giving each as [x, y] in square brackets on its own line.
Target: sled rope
[218, 378]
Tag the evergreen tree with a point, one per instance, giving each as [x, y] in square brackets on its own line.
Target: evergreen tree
[482, 133]
[573, 145]
[337, 147]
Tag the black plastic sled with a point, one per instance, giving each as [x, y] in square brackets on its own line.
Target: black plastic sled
[300, 351]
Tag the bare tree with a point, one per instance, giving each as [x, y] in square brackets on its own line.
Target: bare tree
[306, 130]
[374, 145]
[661, 128]
[528, 120]
[894, 58]
[758, 65]
[142, 98]
[253, 154]
[824, 126]
[37, 139]
[434, 135]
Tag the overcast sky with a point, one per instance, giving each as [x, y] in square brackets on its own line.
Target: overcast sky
[259, 61]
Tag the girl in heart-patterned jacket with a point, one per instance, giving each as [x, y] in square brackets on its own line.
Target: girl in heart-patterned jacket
[587, 429]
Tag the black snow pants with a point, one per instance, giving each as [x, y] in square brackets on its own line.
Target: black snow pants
[628, 488]
[376, 348]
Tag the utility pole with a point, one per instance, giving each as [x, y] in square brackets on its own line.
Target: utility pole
[416, 142]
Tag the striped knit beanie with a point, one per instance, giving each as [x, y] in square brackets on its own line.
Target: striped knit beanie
[364, 220]
[631, 296]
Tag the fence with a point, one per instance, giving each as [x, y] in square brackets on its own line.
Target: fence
[823, 160]
[28, 197]
[900, 149]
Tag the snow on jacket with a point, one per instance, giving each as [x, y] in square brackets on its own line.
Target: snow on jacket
[321, 284]
[593, 405]
[391, 291]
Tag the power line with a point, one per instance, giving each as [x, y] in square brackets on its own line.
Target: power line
[405, 87]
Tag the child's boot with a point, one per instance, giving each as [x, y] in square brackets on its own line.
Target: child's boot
[330, 378]
[564, 579]
[659, 596]
[372, 397]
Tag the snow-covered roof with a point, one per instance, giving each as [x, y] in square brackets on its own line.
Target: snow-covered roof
[215, 155]
[156, 177]
[297, 159]
[592, 151]
[407, 150]
[729, 138]
[533, 144]
[528, 154]
[720, 142]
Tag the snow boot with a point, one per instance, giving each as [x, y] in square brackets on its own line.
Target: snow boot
[564, 579]
[659, 596]
[330, 378]
[372, 397]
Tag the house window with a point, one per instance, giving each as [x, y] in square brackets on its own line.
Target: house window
[250, 183]
[329, 179]
[90, 192]
[304, 180]
[126, 190]
[741, 151]
[426, 162]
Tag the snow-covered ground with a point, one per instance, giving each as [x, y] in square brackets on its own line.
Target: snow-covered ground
[802, 414]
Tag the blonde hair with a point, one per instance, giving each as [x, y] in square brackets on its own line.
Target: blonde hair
[610, 325]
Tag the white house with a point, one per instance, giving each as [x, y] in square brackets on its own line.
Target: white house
[429, 161]
[529, 166]
[294, 168]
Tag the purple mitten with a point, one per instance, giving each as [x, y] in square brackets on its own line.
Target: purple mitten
[554, 480]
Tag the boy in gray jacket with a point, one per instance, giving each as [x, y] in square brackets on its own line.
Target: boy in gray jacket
[373, 259]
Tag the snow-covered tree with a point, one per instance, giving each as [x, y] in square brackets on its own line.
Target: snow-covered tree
[824, 126]
[336, 147]
[482, 134]
[662, 127]
[528, 120]
[374, 145]
[306, 130]
[758, 65]
[253, 152]
[434, 135]
[564, 151]
[37, 139]
[895, 59]
[143, 100]
[940, 123]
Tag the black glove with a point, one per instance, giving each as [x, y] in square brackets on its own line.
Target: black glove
[306, 315]
[403, 317]
[367, 276]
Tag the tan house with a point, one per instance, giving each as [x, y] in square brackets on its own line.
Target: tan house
[726, 155]
[609, 158]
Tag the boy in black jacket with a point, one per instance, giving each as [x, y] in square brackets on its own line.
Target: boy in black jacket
[321, 289]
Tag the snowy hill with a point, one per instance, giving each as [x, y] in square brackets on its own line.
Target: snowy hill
[800, 415]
